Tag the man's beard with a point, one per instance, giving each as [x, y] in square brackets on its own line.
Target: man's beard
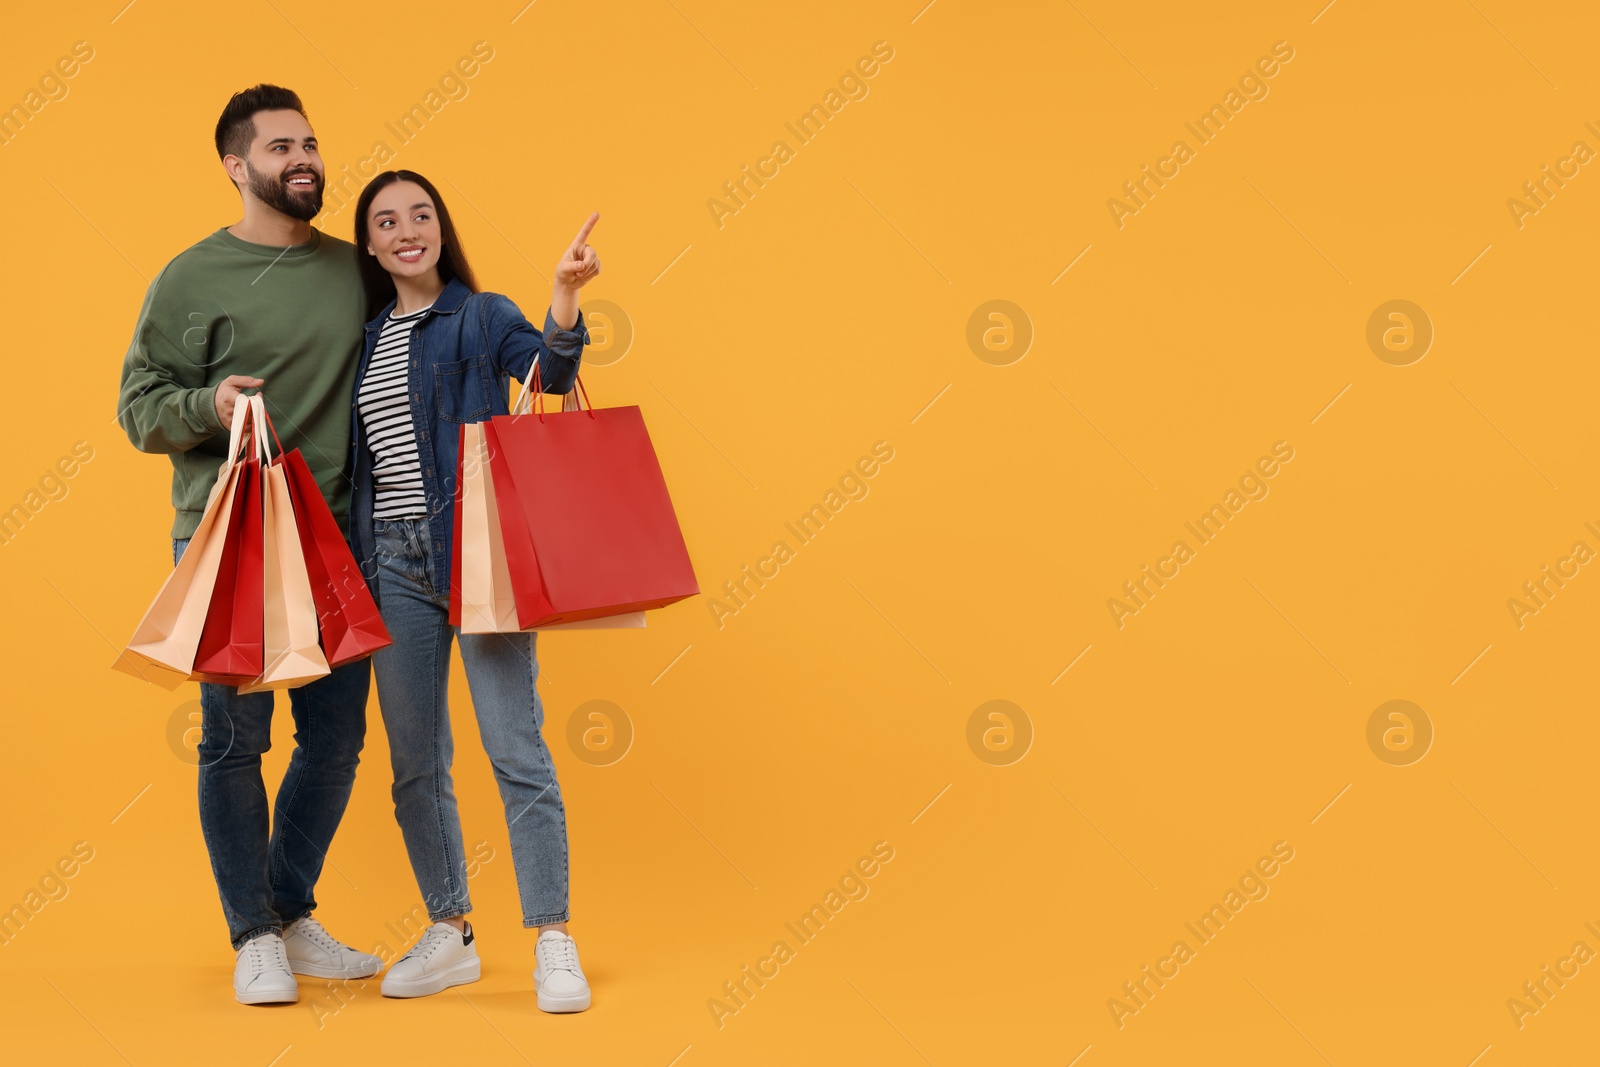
[273, 190]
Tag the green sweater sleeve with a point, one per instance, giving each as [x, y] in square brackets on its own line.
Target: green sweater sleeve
[165, 403]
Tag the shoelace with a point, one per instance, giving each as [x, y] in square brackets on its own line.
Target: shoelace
[561, 954]
[266, 953]
[430, 942]
[314, 932]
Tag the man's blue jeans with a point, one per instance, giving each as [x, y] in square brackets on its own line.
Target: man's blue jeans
[267, 880]
[413, 675]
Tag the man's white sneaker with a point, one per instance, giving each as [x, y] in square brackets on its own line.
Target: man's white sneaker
[557, 978]
[261, 974]
[314, 952]
[443, 957]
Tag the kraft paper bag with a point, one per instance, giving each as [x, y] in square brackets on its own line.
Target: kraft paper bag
[487, 603]
[292, 655]
[164, 644]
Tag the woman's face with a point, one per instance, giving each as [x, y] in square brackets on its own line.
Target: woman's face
[403, 230]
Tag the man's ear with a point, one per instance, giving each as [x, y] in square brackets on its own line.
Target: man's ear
[236, 164]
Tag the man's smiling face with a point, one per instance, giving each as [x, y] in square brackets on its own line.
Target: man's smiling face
[284, 167]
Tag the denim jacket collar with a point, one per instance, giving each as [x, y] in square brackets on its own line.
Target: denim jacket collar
[448, 303]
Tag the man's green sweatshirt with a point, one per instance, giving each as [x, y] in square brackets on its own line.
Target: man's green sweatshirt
[291, 316]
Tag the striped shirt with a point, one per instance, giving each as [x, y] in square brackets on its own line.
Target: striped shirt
[386, 414]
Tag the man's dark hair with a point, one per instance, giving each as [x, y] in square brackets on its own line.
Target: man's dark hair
[236, 129]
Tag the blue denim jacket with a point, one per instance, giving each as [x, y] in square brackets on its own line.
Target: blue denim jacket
[463, 353]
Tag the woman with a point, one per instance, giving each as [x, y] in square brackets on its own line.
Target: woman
[438, 354]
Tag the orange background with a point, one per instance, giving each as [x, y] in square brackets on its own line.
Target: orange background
[1042, 859]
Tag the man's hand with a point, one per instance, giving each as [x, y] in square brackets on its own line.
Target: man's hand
[228, 394]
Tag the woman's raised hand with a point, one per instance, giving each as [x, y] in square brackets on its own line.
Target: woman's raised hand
[579, 263]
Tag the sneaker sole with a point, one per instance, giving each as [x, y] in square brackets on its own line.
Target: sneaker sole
[318, 970]
[271, 996]
[572, 1002]
[459, 973]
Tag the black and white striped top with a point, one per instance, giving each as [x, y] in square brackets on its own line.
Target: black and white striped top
[386, 414]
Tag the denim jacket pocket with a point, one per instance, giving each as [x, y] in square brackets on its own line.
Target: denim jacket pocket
[462, 390]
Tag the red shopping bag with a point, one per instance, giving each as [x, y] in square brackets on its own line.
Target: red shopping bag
[347, 617]
[230, 650]
[588, 523]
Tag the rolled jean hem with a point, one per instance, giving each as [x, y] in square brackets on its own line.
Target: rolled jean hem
[451, 913]
[248, 935]
[545, 920]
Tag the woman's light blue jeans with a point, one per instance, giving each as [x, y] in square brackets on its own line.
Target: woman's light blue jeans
[413, 677]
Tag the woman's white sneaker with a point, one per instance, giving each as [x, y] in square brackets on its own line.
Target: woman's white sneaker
[557, 978]
[442, 958]
[314, 952]
[261, 973]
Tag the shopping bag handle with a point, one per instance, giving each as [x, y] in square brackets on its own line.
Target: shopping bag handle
[531, 385]
[265, 418]
[258, 407]
[249, 413]
[241, 420]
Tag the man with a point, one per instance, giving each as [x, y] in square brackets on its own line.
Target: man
[267, 303]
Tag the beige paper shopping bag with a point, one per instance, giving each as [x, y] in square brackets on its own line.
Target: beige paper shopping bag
[164, 644]
[291, 655]
[487, 604]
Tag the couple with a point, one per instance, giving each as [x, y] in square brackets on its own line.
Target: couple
[369, 357]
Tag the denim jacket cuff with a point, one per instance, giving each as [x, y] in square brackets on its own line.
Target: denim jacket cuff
[559, 339]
